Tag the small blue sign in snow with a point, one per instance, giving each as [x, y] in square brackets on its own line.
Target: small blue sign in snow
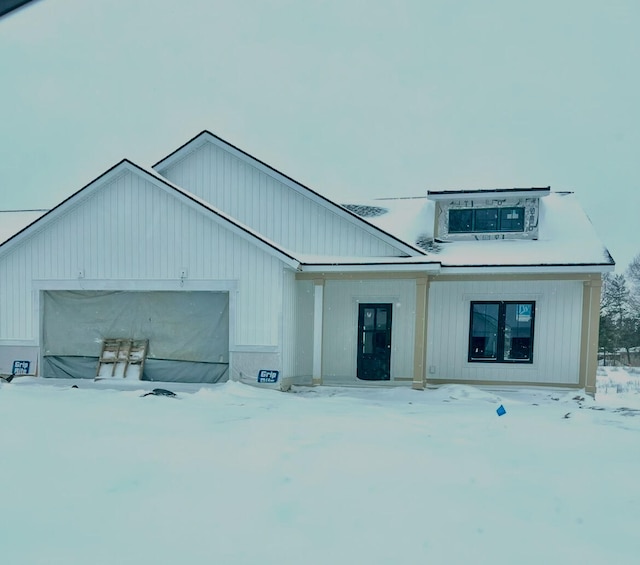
[501, 411]
[267, 376]
[21, 367]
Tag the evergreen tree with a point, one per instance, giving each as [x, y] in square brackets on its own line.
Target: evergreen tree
[619, 319]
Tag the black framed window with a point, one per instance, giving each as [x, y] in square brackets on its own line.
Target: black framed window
[501, 332]
[486, 220]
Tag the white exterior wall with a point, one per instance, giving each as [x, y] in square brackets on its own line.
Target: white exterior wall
[557, 330]
[129, 234]
[297, 340]
[267, 205]
[303, 354]
[340, 326]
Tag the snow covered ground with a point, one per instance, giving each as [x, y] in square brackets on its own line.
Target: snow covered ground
[232, 474]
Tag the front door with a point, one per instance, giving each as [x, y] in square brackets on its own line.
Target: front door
[374, 342]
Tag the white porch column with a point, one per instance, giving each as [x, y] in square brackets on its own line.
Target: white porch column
[318, 302]
[590, 327]
[420, 345]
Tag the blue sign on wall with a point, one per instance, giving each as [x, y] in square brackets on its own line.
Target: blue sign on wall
[21, 367]
[266, 376]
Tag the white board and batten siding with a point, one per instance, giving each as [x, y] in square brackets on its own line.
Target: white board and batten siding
[131, 235]
[340, 326]
[556, 345]
[255, 196]
[297, 324]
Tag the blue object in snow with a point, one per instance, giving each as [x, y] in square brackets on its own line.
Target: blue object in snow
[501, 411]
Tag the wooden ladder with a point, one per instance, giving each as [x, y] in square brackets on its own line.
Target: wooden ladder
[122, 358]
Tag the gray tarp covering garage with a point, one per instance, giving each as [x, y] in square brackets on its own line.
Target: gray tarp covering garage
[188, 332]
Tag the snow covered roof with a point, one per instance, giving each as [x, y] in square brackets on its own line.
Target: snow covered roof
[566, 236]
[14, 221]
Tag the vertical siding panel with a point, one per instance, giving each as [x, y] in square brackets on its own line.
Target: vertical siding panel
[556, 343]
[250, 195]
[340, 324]
[130, 228]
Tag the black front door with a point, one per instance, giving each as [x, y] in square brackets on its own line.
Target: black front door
[374, 342]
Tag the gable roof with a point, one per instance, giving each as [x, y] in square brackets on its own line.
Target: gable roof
[567, 240]
[206, 136]
[157, 180]
[296, 261]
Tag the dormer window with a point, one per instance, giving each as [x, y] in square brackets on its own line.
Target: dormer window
[478, 215]
[472, 220]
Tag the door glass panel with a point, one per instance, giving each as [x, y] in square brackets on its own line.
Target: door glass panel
[368, 320]
[484, 331]
[381, 319]
[367, 343]
[517, 331]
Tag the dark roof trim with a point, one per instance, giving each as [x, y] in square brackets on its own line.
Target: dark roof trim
[317, 194]
[365, 264]
[211, 209]
[8, 6]
[156, 178]
[544, 189]
[52, 210]
[525, 265]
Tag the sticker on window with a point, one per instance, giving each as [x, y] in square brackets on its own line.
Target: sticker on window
[524, 313]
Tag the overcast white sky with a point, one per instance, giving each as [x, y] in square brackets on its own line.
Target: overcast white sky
[352, 98]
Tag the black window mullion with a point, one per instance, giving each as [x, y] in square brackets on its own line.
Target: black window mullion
[500, 333]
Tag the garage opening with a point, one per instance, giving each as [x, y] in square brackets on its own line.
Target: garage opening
[188, 332]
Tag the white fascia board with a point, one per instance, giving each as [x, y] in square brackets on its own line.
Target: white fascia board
[526, 269]
[207, 136]
[431, 268]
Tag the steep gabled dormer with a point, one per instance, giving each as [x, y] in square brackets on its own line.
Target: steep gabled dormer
[503, 213]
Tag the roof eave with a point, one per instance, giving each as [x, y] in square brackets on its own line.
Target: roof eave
[527, 269]
[489, 193]
[428, 267]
